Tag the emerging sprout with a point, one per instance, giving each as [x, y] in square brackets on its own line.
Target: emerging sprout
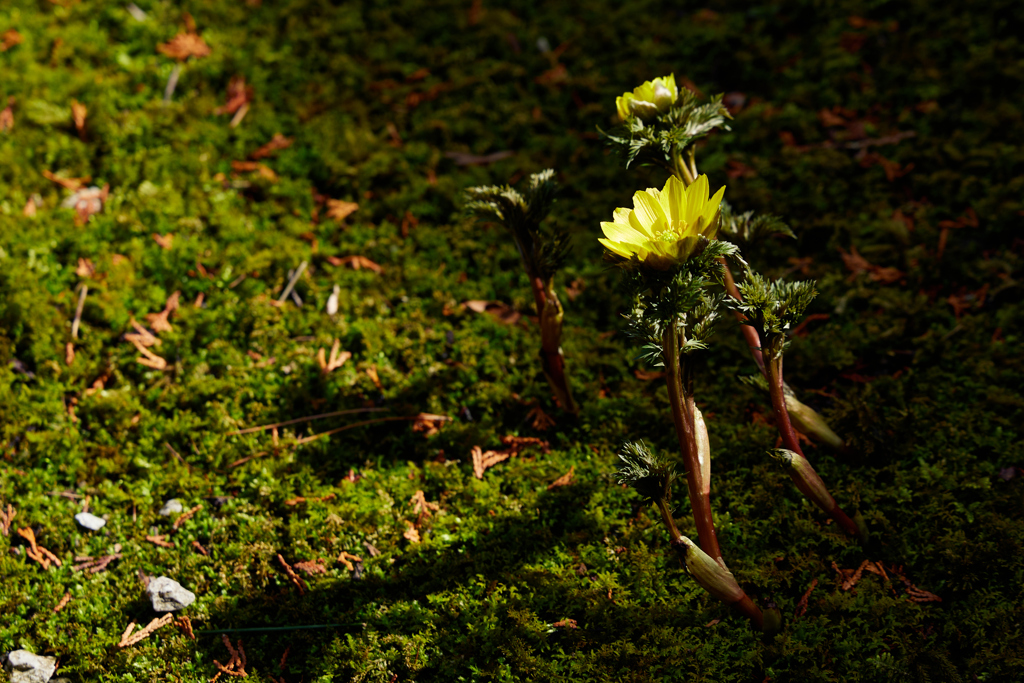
[542, 252]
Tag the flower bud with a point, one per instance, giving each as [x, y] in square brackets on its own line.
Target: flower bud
[808, 421]
[712, 576]
[703, 450]
[649, 100]
[806, 479]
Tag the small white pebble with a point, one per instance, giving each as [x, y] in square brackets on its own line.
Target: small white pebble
[90, 521]
[170, 507]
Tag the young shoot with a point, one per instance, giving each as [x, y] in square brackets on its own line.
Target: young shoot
[542, 252]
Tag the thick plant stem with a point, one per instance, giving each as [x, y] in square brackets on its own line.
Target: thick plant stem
[805, 477]
[774, 376]
[549, 311]
[683, 419]
[728, 590]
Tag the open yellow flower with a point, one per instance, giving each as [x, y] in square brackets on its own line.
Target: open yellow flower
[664, 226]
[650, 99]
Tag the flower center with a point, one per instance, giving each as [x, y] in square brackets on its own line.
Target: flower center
[673, 233]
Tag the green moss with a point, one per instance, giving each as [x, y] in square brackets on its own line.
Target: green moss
[927, 396]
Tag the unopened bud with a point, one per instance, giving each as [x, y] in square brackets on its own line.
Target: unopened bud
[712, 576]
[808, 421]
[806, 479]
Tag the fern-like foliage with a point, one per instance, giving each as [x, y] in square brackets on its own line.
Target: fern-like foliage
[681, 296]
[773, 308]
[748, 229]
[648, 473]
[522, 213]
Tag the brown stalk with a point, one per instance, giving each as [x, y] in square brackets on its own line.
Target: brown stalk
[806, 418]
[549, 312]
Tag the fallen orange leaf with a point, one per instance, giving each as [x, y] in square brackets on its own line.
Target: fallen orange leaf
[278, 142]
[7, 116]
[355, 262]
[165, 241]
[69, 183]
[348, 558]
[9, 39]
[238, 95]
[428, 424]
[78, 112]
[183, 46]
[412, 534]
[339, 209]
[563, 480]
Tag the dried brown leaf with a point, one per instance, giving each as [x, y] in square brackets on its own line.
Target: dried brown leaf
[339, 210]
[183, 46]
[311, 567]
[238, 96]
[277, 143]
[563, 480]
[165, 241]
[9, 39]
[411, 534]
[78, 112]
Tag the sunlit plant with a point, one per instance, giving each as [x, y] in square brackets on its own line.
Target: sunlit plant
[676, 272]
[543, 252]
[663, 132]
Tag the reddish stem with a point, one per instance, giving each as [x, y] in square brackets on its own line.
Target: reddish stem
[790, 441]
[549, 315]
[682, 417]
[753, 339]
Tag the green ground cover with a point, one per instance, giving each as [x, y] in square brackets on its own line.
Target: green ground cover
[913, 356]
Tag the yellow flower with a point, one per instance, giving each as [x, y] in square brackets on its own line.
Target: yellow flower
[664, 227]
[650, 99]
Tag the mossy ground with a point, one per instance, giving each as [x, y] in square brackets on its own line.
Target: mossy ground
[920, 371]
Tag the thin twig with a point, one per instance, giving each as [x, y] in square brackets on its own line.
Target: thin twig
[297, 420]
[239, 115]
[291, 283]
[78, 311]
[172, 83]
[177, 455]
[307, 439]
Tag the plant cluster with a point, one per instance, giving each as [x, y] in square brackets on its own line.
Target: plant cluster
[676, 272]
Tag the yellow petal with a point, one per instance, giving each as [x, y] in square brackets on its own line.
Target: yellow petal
[622, 233]
[649, 212]
[635, 223]
[711, 210]
[621, 215]
[673, 197]
[622, 105]
[696, 197]
[623, 250]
